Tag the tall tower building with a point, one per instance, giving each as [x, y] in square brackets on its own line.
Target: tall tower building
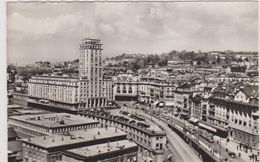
[90, 65]
[76, 92]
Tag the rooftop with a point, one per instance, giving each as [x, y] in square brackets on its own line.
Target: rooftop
[74, 137]
[104, 148]
[58, 78]
[53, 120]
[152, 127]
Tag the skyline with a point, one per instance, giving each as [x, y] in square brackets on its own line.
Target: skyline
[53, 31]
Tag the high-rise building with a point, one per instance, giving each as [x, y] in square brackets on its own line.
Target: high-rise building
[90, 66]
[78, 92]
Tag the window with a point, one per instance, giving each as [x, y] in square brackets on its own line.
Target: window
[124, 89]
[130, 89]
[161, 146]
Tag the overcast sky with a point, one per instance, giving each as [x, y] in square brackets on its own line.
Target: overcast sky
[52, 31]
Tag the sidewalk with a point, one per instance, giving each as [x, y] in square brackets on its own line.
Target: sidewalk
[234, 147]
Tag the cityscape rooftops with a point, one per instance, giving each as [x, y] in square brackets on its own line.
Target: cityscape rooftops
[75, 137]
[94, 150]
[54, 119]
[229, 91]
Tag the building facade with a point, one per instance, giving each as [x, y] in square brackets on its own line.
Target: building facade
[108, 88]
[125, 87]
[231, 111]
[47, 124]
[79, 92]
[236, 105]
[151, 140]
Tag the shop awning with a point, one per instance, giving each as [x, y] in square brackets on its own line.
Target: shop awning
[207, 127]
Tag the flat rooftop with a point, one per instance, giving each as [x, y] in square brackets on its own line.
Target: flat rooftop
[103, 148]
[52, 120]
[155, 128]
[75, 137]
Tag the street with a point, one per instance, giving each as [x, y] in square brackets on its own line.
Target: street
[181, 150]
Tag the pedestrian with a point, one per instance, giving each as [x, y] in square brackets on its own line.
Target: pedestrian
[239, 154]
[237, 147]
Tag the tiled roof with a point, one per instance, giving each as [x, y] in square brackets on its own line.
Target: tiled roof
[251, 91]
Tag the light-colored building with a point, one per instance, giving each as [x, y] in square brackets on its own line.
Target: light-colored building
[95, 145]
[151, 140]
[108, 88]
[235, 106]
[125, 87]
[80, 92]
[124, 150]
[90, 65]
[46, 124]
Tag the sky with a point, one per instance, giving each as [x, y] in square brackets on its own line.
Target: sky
[53, 31]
